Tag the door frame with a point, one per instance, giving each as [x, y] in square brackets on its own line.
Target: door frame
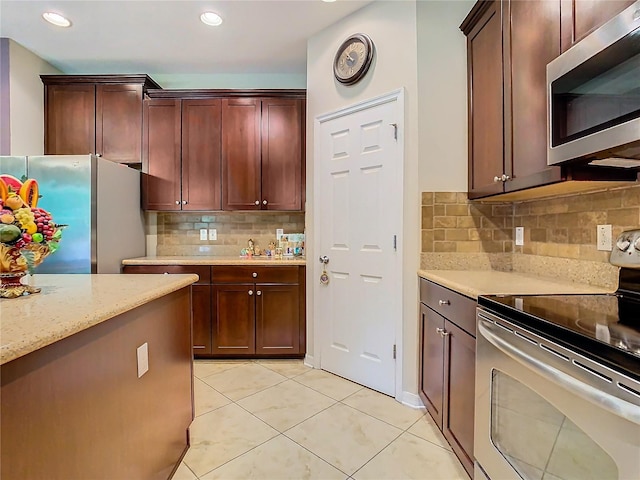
[320, 328]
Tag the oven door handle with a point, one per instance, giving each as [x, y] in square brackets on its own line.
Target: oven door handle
[585, 390]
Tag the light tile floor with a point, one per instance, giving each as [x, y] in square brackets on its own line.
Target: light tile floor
[278, 419]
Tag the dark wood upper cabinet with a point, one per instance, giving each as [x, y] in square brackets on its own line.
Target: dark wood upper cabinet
[531, 41]
[99, 114]
[241, 163]
[161, 183]
[484, 64]
[201, 154]
[581, 17]
[509, 44]
[70, 119]
[282, 157]
[181, 154]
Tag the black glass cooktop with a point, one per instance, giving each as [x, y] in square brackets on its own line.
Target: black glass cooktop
[605, 328]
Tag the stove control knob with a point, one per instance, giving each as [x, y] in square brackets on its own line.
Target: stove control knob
[636, 244]
[623, 243]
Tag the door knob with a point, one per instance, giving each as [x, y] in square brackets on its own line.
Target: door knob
[324, 259]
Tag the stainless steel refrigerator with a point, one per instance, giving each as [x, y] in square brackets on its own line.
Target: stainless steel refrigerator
[98, 199]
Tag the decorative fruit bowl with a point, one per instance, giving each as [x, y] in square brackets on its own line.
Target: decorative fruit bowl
[27, 234]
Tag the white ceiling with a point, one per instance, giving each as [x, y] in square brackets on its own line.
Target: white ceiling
[167, 37]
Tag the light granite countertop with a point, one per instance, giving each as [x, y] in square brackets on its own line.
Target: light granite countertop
[213, 260]
[473, 283]
[69, 304]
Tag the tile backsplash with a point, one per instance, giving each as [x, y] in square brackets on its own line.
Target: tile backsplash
[559, 233]
[179, 233]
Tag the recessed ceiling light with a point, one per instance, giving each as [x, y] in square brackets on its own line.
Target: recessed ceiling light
[211, 18]
[56, 19]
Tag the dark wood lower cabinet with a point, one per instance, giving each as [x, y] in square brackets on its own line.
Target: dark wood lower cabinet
[234, 319]
[447, 365]
[243, 310]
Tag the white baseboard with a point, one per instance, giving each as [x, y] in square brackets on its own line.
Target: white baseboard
[411, 400]
[308, 361]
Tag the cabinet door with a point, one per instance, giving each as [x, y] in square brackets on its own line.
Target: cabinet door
[581, 17]
[282, 156]
[161, 155]
[241, 154]
[277, 319]
[233, 319]
[432, 363]
[532, 39]
[460, 367]
[119, 122]
[201, 130]
[484, 57]
[70, 113]
[201, 312]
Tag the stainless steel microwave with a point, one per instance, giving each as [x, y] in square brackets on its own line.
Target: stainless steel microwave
[593, 92]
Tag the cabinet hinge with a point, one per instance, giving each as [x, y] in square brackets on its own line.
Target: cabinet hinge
[394, 351]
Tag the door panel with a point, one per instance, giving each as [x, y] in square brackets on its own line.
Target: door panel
[161, 155]
[234, 319]
[241, 175]
[201, 313]
[119, 122]
[277, 319]
[282, 133]
[201, 154]
[70, 122]
[360, 166]
[432, 365]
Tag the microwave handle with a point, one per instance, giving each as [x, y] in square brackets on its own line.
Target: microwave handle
[589, 391]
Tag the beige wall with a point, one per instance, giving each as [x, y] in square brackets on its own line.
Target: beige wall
[392, 27]
[442, 83]
[27, 100]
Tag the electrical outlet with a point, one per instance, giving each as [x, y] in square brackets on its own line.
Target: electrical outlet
[203, 234]
[520, 236]
[143, 359]
[213, 234]
[605, 238]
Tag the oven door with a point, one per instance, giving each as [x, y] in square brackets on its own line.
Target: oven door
[544, 412]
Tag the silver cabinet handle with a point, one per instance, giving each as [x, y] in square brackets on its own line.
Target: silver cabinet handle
[166, 273]
[184, 202]
[497, 179]
[443, 333]
[250, 292]
[258, 293]
[98, 154]
[254, 275]
[444, 302]
[264, 202]
[504, 177]
[177, 202]
[257, 202]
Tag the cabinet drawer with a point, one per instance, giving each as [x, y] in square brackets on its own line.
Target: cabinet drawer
[249, 274]
[454, 306]
[203, 271]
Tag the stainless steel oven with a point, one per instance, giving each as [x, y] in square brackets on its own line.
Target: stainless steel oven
[594, 96]
[558, 382]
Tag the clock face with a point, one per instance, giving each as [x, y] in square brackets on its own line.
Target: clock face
[353, 59]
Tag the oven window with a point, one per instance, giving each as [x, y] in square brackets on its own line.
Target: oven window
[600, 93]
[538, 440]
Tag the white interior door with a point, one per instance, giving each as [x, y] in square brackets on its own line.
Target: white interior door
[358, 220]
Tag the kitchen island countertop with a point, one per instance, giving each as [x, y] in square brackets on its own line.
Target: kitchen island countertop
[473, 283]
[213, 260]
[69, 304]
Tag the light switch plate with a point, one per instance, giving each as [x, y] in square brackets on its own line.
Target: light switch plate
[143, 359]
[203, 234]
[213, 234]
[520, 236]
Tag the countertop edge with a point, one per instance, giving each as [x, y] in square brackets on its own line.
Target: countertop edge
[212, 261]
[16, 350]
[551, 285]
